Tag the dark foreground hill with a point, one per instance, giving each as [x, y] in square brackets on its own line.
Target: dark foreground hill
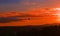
[42, 30]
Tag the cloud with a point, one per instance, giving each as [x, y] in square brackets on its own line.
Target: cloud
[13, 17]
[8, 19]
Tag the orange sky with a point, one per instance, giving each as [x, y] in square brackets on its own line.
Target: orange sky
[40, 12]
[39, 18]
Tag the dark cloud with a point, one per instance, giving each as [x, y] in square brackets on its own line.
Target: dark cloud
[17, 18]
[9, 19]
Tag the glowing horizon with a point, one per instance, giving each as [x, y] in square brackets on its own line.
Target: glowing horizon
[39, 18]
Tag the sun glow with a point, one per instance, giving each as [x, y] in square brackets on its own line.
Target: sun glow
[57, 13]
[57, 9]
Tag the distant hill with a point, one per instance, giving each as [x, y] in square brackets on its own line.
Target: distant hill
[41, 30]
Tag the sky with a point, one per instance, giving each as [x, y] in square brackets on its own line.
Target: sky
[28, 12]
[26, 5]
